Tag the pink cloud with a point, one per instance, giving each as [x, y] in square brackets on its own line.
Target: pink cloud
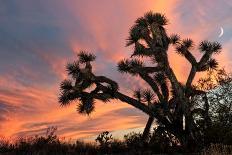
[106, 28]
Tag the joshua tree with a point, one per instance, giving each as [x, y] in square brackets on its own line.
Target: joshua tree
[167, 100]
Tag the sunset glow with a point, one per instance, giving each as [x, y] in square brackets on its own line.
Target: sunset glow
[38, 38]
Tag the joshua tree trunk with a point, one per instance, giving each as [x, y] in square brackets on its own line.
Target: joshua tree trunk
[147, 128]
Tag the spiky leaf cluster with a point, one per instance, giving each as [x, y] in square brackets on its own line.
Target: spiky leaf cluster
[66, 97]
[84, 86]
[135, 35]
[148, 95]
[139, 50]
[86, 57]
[86, 105]
[188, 43]
[145, 95]
[66, 85]
[73, 68]
[150, 22]
[211, 47]
[210, 64]
[156, 18]
[174, 39]
[138, 94]
[183, 46]
[133, 66]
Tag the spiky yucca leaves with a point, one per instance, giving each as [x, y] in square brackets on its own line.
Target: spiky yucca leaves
[73, 89]
[145, 96]
[66, 97]
[140, 50]
[138, 94]
[67, 94]
[136, 63]
[174, 39]
[151, 23]
[148, 96]
[86, 57]
[73, 68]
[124, 66]
[213, 64]
[210, 47]
[142, 22]
[135, 35]
[184, 46]
[210, 64]
[156, 18]
[188, 43]
[86, 105]
[66, 85]
[84, 86]
[132, 66]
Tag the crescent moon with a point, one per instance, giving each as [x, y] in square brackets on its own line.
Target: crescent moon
[222, 32]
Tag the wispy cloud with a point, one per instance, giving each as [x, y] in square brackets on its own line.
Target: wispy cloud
[37, 39]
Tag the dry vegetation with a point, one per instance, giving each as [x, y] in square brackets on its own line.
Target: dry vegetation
[132, 144]
[218, 149]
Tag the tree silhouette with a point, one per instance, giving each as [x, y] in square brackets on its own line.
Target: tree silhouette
[216, 124]
[166, 100]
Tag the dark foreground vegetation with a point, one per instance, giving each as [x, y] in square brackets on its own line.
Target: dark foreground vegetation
[132, 144]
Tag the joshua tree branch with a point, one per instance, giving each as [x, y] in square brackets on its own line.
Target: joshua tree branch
[103, 79]
[147, 51]
[146, 70]
[188, 55]
[147, 128]
[175, 83]
[150, 69]
[204, 59]
[153, 85]
[143, 108]
[191, 76]
[134, 103]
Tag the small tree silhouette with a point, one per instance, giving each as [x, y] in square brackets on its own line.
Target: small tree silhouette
[104, 139]
[166, 100]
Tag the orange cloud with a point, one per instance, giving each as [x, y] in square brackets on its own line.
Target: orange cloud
[29, 109]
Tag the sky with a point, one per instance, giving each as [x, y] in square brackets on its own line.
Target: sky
[38, 38]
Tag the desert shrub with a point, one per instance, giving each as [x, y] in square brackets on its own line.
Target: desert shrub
[161, 141]
[217, 149]
[85, 148]
[104, 139]
[5, 145]
[118, 146]
[134, 141]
